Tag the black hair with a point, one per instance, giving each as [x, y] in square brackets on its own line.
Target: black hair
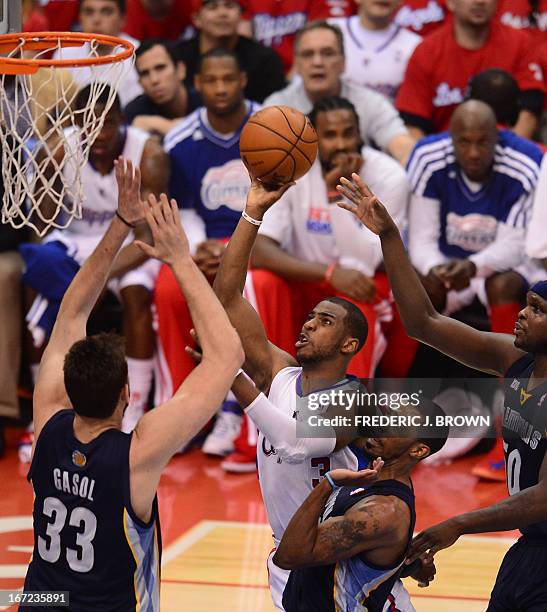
[218, 52]
[330, 104]
[95, 373]
[534, 12]
[436, 433]
[320, 25]
[120, 3]
[168, 45]
[83, 96]
[500, 91]
[355, 322]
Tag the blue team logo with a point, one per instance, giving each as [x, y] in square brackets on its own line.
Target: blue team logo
[79, 459]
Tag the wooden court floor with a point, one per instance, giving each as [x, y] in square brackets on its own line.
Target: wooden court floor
[216, 538]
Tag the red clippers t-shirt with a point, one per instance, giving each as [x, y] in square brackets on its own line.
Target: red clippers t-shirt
[275, 22]
[61, 15]
[140, 25]
[439, 70]
[422, 16]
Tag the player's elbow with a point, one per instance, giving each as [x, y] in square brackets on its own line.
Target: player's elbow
[287, 560]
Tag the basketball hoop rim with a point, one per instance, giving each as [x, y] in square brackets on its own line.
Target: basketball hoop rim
[44, 40]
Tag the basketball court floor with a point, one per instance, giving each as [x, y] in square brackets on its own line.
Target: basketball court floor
[216, 539]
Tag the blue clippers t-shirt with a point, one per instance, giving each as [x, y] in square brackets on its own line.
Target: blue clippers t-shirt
[207, 173]
[469, 218]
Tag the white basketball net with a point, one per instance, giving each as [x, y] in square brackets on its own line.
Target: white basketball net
[35, 112]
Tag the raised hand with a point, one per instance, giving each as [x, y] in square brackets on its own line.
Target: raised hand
[363, 478]
[261, 197]
[170, 241]
[365, 205]
[130, 205]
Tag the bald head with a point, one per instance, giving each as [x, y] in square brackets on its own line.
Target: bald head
[474, 135]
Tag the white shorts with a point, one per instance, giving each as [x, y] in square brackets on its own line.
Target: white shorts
[277, 579]
[398, 599]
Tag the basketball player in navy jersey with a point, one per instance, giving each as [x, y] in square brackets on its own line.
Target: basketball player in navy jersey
[522, 360]
[359, 524]
[96, 531]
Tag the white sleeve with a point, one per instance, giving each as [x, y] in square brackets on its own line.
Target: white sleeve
[280, 430]
[505, 253]
[424, 230]
[536, 240]
[277, 222]
[194, 226]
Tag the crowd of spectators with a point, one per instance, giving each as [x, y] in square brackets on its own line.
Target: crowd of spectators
[438, 104]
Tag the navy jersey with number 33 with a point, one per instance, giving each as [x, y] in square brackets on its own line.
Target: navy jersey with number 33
[87, 539]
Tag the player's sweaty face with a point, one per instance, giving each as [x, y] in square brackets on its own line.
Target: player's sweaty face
[474, 149]
[107, 142]
[320, 62]
[322, 334]
[531, 327]
[101, 17]
[475, 12]
[338, 135]
[221, 85]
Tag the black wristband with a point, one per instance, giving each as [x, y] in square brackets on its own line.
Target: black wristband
[124, 221]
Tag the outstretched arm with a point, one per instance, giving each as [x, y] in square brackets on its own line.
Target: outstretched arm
[306, 542]
[79, 300]
[164, 430]
[489, 352]
[515, 512]
[262, 359]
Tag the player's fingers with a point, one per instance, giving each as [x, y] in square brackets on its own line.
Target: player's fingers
[145, 248]
[175, 212]
[155, 211]
[361, 185]
[351, 187]
[136, 182]
[195, 355]
[347, 206]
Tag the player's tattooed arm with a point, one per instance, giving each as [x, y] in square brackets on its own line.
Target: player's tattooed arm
[515, 512]
[489, 352]
[364, 526]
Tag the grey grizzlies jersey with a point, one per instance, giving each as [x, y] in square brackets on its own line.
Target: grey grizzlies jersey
[524, 433]
[87, 539]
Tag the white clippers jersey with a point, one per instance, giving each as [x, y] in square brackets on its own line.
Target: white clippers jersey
[285, 486]
[101, 193]
[376, 58]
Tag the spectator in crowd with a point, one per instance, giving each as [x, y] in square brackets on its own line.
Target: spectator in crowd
[103, 17]
[421, 16]
[500, 91]
[210, 183]
[275, 22]
[33, 17]
[50, 266]
[158, 18]
[530, 15]
[165, 100]
[443, 63]
[376, 49]
[471, 195]
[308, 249]
[320, 62]
[217, 22]
[536, 240]
[62, 15]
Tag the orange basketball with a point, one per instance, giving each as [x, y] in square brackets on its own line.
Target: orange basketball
[278, 145]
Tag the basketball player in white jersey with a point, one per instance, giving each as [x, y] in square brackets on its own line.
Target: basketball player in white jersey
[377, 50]
[132, 276]
[289, 466]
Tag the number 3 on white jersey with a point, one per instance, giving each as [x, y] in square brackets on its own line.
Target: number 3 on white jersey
[513, 465]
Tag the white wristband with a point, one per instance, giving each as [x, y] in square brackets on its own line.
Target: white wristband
[251, 220]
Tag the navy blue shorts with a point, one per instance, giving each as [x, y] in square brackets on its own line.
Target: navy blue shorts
[521, 585]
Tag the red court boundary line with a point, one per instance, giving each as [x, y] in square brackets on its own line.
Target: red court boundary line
[265, 586]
